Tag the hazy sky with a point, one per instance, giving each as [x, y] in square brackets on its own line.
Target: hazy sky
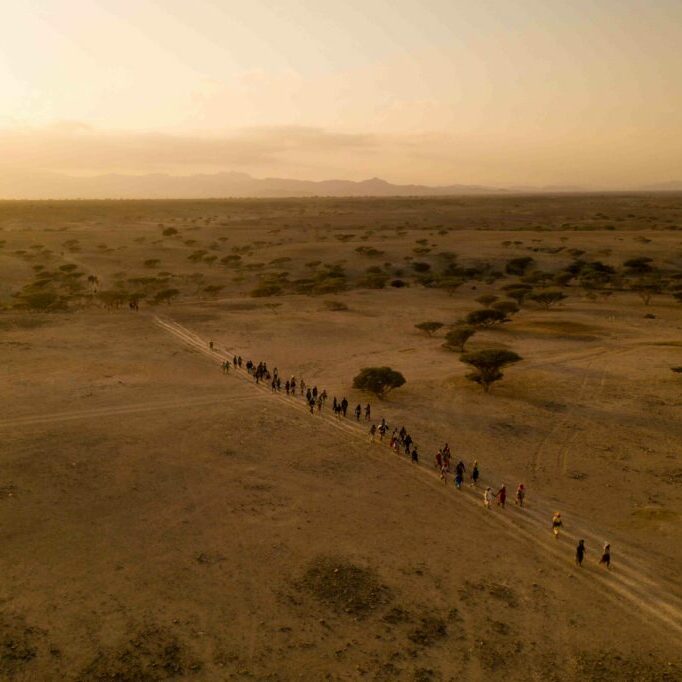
[433, 91]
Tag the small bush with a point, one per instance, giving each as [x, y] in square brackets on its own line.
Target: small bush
[429, 327]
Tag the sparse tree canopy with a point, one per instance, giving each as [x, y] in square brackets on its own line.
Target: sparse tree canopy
[166, 296]
[458, 336]
[548, 298]
[518, 266]
[449, 284]
[518, 292]
[646, 288]
[488, 364]
[429, 327]
[487, 300]
[506, 307]
[378, 380]
[485, 318]
[639, 265]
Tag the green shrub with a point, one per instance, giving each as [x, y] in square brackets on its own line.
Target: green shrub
[378, 380]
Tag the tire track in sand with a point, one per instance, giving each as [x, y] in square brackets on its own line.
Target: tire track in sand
[119, 410]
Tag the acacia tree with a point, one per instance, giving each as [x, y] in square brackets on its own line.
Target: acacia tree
[429, 327]
[450, 285]
[487, 365]
[378, 380]
[458, 336]
[506, 307]
[487, 300]
[485, 318]
[548, 298]
[517, 291]
[646, 288]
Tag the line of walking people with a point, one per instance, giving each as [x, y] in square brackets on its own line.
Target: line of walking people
[400, 441]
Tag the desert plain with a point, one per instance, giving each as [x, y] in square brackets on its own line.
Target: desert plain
[162, 520]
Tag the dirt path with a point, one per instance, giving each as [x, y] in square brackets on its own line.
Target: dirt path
[631, 584]
[119, 410]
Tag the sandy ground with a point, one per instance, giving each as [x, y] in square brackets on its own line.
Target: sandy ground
[160, 520]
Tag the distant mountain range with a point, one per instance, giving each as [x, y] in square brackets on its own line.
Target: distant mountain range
[230, 184]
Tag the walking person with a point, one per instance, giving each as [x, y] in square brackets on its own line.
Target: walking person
[474, 474]
[358, 412]
[372, 429]
[415, 456]
[487, 497]
[459, 477]
[368, 411]
[557, 523]
[444, 474]
[501, 496]
[344, 407]
[520, 494]
[606, 556]
[580, 552]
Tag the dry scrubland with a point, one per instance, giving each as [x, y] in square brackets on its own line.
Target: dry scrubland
[159, 520]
